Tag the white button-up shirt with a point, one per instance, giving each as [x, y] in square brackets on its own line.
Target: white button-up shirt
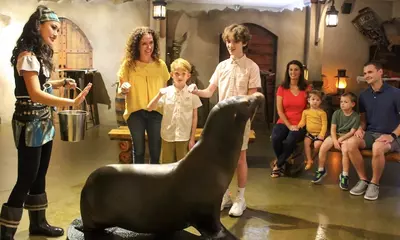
[178, 108]
[236, 77]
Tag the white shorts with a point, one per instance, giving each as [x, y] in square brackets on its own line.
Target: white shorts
[246, 136]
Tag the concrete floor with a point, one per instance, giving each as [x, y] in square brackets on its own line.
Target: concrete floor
[284, 208]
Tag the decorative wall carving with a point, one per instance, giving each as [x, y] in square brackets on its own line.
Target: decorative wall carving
[368, 24]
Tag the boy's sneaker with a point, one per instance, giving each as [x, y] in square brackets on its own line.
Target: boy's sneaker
[319, 175]
[372, 192]
[238, 207]
[359, 188]
[226, 201]
[344, 182]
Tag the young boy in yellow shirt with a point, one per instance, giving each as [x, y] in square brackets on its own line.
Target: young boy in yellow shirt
[315, 120]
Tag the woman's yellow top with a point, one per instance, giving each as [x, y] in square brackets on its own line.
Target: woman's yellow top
[146, 80]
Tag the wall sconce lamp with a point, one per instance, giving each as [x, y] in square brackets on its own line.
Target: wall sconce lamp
[341, 81]
[332, 19]
[159, 9]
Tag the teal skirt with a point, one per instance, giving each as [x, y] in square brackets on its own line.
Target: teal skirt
[37, 132]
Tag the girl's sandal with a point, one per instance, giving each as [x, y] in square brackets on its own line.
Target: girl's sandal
[308, 165]
[277, 173]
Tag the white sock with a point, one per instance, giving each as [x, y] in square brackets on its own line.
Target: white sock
[240, 192]
[345, 173]
[320, 169]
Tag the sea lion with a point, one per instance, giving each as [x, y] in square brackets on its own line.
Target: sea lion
[162, 199]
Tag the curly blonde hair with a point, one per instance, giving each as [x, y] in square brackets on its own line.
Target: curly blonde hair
[132, 52]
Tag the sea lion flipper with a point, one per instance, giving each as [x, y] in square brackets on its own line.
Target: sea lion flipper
[213, 230]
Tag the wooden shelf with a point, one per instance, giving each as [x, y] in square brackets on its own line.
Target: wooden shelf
[122, 133]
[361, 79]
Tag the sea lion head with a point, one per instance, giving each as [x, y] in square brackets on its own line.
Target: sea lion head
[228, 118]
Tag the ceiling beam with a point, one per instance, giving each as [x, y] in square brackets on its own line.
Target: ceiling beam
[121, 1]
[50, 0]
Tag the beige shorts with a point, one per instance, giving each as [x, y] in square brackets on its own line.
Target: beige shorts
[246, 136]
[173, 151]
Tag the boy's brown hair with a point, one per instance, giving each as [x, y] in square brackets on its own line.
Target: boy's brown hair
[238, 33]
[182, 64]
[315, 93]
[352, 96]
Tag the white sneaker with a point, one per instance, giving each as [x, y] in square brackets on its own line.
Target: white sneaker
[226, 201]
[238, 207]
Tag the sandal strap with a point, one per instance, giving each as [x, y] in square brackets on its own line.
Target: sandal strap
[279, 172]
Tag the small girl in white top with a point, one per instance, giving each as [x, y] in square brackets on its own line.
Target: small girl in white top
[179, 122]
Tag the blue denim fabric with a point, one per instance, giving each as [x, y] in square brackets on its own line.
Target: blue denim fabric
[139, 122]
[284, 142]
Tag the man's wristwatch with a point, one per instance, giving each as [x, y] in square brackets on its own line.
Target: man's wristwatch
[394, 136]
[65, 82]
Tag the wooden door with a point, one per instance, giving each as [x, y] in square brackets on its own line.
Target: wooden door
[262, 50]
[73, 50]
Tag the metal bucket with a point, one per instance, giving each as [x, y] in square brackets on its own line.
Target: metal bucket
[72, 124]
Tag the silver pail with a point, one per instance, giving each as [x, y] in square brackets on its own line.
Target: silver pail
[72, 125]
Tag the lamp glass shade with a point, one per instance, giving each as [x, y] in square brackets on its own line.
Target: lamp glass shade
[159, 10]
[341, 82]
[332, 18]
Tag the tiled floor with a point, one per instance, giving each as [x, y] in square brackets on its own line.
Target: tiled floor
[285, 208]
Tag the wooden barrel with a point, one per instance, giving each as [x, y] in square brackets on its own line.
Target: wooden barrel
[125, 145]
[126, 157]
[120, 108]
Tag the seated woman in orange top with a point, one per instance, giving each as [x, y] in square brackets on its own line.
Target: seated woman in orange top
[291, 100]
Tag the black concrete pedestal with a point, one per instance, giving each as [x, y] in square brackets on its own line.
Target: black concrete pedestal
[74, 232]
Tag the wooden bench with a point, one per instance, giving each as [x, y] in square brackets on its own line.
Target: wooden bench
[391, 156]
[123, 135]
[297, 158]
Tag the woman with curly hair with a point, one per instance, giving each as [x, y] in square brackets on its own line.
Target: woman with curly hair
[32, 124]
[141, 76]
[291, 100]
